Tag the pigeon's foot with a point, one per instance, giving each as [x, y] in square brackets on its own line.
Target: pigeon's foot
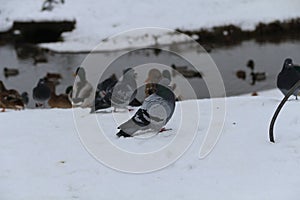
[164, 129]
[122, 133]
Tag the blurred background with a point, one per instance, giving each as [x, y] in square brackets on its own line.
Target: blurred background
[248, 40]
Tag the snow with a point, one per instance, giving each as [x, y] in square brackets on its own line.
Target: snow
[42, 156]
[98, 19]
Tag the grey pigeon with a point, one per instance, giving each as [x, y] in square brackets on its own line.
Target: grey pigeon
[104, 93]
[41, 93]
[288, 77]
[155, 112]
[125, 90]
[82, 93]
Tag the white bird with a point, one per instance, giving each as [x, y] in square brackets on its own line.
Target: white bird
[82, 94]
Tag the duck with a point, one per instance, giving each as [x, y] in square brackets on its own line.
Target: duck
[288, 77]
[241, 74]
[10, 72]
[154, 113]
[69, 89]
[154, 75]
[125, 90]
[250, 64]
[186, 72]
[83, 92]
[57, 101]
[179, 68]
[39, 58]
[53, 77]
[10, 99]
[41, 93]
[258, 76]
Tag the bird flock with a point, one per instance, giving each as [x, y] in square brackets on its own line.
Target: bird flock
[153, 113]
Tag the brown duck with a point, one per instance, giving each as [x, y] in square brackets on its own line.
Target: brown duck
[10, 99]
[154, 76]
[58, 101]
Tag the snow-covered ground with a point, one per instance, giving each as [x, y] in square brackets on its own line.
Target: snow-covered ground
[99, 19]
[42, 157]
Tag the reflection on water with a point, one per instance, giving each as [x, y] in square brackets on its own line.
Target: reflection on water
[268, 59]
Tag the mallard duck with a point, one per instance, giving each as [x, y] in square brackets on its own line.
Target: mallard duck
[10, 72]
[82, 94]
[39, 58]
[250, 64]
[179, 68]
[258, 76]
[69, 89]
[241, 74]
[10, 99]
[191, 74]
[41, 93]
[53, 77]
[57, 101]
[186, 72]
[154, 75]
[155, 112]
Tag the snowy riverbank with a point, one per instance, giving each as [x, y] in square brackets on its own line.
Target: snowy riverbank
[97, 20]
[42, 158]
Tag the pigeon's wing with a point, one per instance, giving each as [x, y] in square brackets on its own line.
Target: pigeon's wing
[140, 121]
[159, 110]
[122, 94]
[287, 78]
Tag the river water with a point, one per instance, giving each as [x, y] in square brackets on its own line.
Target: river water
[268, 58]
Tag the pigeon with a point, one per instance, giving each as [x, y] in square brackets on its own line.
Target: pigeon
[288, 77]
[104, 93]
[41, 93]
[155, 112]
[124, 91]
[106, 86]
[82, 93]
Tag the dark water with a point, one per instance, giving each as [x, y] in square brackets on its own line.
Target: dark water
[267, 57]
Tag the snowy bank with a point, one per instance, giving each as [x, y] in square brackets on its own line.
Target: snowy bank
[42, 157]
[98, 20]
